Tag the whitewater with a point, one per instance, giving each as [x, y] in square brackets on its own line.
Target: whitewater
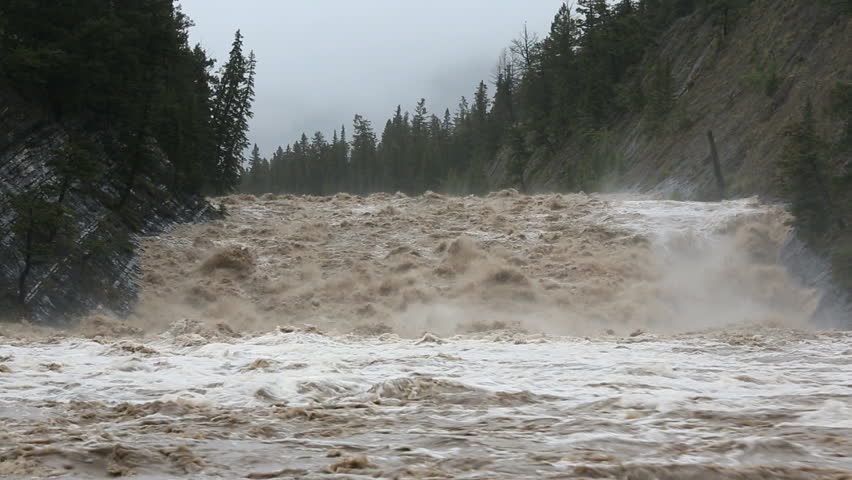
[509, 336]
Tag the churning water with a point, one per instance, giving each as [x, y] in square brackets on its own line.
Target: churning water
[434, 337]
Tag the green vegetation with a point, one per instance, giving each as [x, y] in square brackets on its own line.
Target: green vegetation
[803, 176]
[124, 68]
[127, 66]
[46, 229]
[842, 109]
[575, 81]
[660, 95]
[764, 76]
[818, 198]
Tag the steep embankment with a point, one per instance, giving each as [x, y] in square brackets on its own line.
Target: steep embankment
[101, 268]
[746, 86]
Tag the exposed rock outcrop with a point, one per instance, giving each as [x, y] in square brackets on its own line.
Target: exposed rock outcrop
[103, 271]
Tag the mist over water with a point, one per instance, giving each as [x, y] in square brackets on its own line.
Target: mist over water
[553, 336]
[572, 264]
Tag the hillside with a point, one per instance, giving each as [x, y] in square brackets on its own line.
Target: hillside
[720, 84]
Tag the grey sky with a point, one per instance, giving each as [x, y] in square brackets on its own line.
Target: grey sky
[322, 61]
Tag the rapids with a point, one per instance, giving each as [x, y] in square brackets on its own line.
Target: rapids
[576, 336]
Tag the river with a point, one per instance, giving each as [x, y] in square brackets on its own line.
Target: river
[575, 336]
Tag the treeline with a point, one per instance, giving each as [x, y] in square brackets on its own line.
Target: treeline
[123, 79]
[572, 82]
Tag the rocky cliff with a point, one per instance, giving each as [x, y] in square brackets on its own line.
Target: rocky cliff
[102, 271]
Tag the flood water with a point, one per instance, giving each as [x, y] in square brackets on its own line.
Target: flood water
[434, 337]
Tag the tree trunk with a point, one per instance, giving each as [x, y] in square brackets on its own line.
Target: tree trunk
[717, 167]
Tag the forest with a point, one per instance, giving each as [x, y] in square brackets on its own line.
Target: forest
[128, 65]
[572, 82]
[122, 81]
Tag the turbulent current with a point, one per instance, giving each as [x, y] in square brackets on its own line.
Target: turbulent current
[510, 336]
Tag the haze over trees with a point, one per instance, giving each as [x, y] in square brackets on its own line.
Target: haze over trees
[572, 82]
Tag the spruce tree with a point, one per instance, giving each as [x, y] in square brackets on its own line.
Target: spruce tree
[254, 175]
[802, 177]
[232, 100]
[363, 154]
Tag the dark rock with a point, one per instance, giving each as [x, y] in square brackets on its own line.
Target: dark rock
[104, 272]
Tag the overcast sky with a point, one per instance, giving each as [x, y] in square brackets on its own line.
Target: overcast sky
[323, 61]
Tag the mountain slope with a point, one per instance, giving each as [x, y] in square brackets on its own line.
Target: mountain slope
[746, 87]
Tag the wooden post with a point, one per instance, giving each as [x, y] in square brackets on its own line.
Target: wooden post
[717, 167]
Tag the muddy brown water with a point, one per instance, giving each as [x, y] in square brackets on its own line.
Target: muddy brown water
[436, 337]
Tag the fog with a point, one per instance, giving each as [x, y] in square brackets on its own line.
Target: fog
[322, 61]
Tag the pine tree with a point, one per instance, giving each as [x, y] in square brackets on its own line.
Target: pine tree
[802, 177]
[232, 101]
[45, 230]
[363, 154]
[661, 95]
[341, 157]
[253, 177]
[317, 163]
[503, 110]
[244, 112]
[74, 165]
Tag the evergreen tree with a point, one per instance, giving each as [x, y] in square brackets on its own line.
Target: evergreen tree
[363, 154]
[341, 158]
[503, 110]
[251, 182]
[802, 177]
[232, 99]
[661, 96]
[418, 155]
[45, 229]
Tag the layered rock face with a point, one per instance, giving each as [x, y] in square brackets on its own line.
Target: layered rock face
[103, 271]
